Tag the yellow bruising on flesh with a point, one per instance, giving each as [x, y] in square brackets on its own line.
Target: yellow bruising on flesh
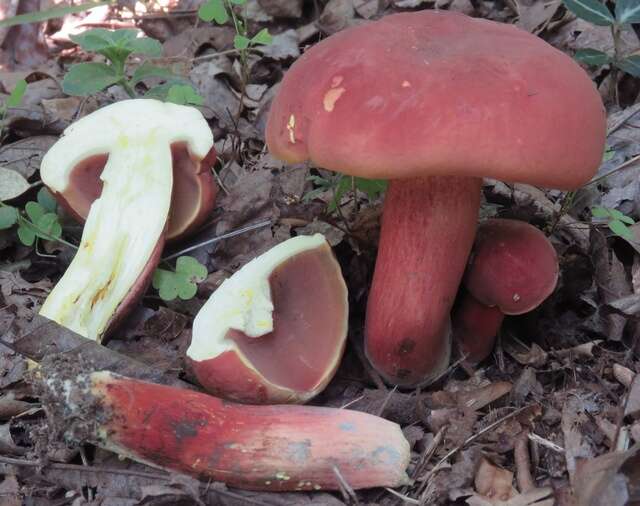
[333, 94]
[291, 127]
[122, 230]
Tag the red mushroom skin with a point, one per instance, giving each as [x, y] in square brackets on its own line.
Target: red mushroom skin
[278, 448]
[192, 199]
[475, 327]
[428, 226]
[443, 94]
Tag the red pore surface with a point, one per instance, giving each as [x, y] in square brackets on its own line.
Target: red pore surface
[304, 349]
[255, 447]
[192, 198]
[513, 266]
[475, 327]
[440, 93]
[427, 232]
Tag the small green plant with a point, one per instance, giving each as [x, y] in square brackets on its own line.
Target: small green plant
[616, 221]
[221, 11]
[183, 282]
[340, 184]
[626, 12]
[39, 220]
[13, 100]
[116, 46]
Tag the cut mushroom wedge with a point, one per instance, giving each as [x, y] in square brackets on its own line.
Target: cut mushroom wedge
[125, 229]
[275, 331]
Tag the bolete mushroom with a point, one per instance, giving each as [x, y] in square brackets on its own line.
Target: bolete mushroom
[194, 190]
[434, 101]
[275, 448]
[125, 229]
[275, 331]
[512, 269]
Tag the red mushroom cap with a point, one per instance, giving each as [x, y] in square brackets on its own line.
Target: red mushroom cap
[513, 266]
[440, 93]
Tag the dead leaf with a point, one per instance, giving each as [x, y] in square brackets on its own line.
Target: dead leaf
[535, 16]
[10, 491]
[333, 235]
[534, 356]
[189, 43]
[535, 497]
[493, 482]
[283, 46]
[632, 404]
[12, 184]
[336, 15]
[7, 443]
[612, 479]
[219, 101]
[24, 156]
[282, 8]
[612, 282]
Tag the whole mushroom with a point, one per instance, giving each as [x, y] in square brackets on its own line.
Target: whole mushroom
[126, 226]
[513, 268]
[434, 101]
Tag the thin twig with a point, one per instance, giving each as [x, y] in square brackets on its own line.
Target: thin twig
[386, 400]
[471, 439]
[624, 165]
[213, 240]
[406, 499]
[347, 490]
[523, 464]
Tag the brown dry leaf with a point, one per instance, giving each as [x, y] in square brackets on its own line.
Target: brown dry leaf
[576, 445]
[337, 15]
[24, 156]
[333, 235]
[188, 43]
[10, 406]
[24, 296]
[535, 497]
[612, 479]
[7, 443]
[369, 8]
[219, 101]
[526, 384]
[535, 16]
[493, 482]
[283, 46]
[10, 491]
[632, 404]
[23, 45]
[12, 184]
[612, 282]
[534, 356]
[282, 8]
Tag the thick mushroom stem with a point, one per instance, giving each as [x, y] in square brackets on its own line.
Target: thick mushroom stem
[276, 448]
[475, 327]
[428, 227]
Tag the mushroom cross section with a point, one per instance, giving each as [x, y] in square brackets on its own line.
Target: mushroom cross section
[434, 101]
[125, 229]
[275, 331]
[78, 183]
